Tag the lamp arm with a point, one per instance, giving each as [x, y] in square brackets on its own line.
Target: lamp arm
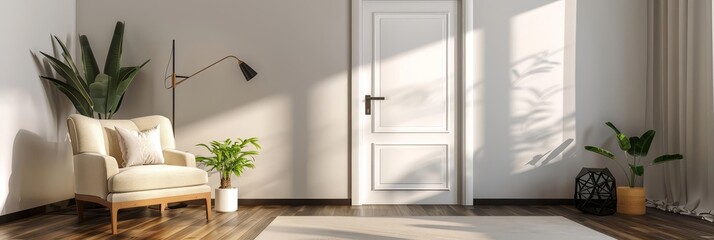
[184, 78]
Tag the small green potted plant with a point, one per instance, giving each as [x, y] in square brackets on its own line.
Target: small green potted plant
[229, 158]
[631, 198]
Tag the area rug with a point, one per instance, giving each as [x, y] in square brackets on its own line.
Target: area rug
[441, 227]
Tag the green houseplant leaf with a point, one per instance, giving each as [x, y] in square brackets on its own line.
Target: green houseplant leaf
[600, 151]
[73, 95]
[624, 142]
[634, 141]
[645, 142]
[609, 124]
[638, 170]
[126, 78]
[621, 138]
[667, 158]
[70, 63]
[66, 72]
[99, 91]
[112, 65]
[641, 145]
[91, 68]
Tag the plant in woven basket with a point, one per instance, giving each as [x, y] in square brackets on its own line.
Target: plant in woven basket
[636, 149]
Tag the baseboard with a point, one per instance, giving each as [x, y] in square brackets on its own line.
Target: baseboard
[289, 202]
[294, 202]
[519, 201]
[35, 211]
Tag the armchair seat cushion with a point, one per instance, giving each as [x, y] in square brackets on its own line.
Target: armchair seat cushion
[152, 177]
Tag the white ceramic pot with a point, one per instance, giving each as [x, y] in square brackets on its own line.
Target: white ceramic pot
[226, 199]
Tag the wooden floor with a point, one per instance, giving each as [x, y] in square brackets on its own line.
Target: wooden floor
[190, 223]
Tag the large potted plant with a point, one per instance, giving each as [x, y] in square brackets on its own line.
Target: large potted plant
[631, 198]
[94, 91]
[229, 158]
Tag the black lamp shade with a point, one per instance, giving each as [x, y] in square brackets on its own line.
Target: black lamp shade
[248, 72]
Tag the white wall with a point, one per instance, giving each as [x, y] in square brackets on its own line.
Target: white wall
[35, 159]
[580, 76]
[532, 129]
[611, 75]
[297, 105]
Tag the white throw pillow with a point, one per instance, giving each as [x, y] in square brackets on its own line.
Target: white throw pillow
[139, 148]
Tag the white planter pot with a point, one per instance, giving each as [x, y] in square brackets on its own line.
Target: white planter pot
[226, 199]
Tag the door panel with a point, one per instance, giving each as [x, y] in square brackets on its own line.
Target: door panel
[410, 167]
[408, 50]
[402, 43]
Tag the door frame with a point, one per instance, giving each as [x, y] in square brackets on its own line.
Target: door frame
[465, 100]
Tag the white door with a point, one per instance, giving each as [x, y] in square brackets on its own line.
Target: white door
[408, 102]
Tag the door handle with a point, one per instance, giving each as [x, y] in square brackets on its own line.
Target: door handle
[368, 103]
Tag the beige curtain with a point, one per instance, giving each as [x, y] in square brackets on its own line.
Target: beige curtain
[680, 106]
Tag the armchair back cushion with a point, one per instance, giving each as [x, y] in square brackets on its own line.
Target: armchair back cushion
[99, 136]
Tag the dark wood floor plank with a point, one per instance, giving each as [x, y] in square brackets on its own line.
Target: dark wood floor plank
[249, 221]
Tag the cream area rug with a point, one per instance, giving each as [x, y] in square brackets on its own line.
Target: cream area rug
[441, 227]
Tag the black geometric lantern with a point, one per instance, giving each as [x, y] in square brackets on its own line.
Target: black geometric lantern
[595, 191]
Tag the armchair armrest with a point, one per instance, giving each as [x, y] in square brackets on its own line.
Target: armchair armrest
[92, 172]
[179, 158]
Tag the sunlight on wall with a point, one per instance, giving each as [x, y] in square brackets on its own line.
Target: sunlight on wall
[413, 93]
[328, 134]
[265, 119]
[537, 87]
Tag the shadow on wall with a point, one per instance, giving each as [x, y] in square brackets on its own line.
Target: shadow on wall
[528, 142]
[539, 124]
[42, 170]
[38, 175]
[494, 19]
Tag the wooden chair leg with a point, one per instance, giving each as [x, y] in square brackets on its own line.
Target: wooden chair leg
[208, 207]
[114, 212]
[80, 209]
[163, 207]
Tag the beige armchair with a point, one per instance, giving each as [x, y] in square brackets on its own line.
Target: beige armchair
[99, 177]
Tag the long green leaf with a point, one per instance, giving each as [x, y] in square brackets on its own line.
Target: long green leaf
[624, 142]
[667, 158]
[91, 68]
[124, 72]
[634, 142]
[100, 93]
[75, 97]
[609, 124]
[112, 65]
[644, 143]
[126, 79]
[254, 141]
[112, 97]
[65, 72]
[70, 63]
[121, 99]
[121, 87]
[600, 151]
[638, 170]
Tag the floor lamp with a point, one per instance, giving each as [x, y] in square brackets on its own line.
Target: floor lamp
[247, 71]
